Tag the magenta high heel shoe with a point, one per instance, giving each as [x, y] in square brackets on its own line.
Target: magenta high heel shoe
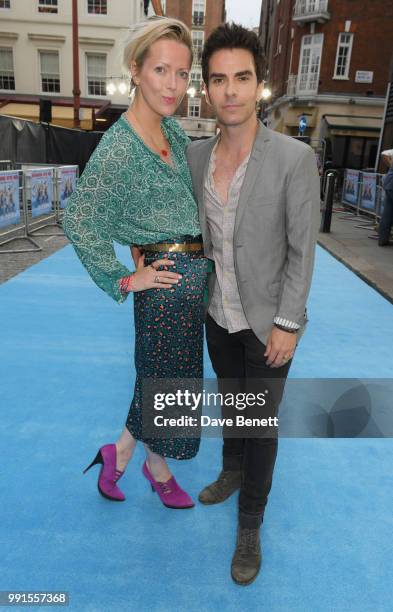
[171, 495]
[108, 475]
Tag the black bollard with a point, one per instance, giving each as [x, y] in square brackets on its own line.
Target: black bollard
[327, 209]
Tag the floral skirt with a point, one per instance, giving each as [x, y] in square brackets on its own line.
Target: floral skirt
[169, 341]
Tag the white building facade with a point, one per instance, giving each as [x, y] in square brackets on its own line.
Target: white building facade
[36, 59]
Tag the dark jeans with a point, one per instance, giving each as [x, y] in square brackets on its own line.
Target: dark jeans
[238, 360]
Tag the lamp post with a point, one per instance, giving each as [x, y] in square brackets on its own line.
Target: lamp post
[75, 60]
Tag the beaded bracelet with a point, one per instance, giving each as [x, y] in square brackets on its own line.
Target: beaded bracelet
[126, 284]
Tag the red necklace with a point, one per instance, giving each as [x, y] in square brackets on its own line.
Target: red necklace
[163, 152]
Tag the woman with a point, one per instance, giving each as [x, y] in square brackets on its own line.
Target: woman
[136, 189]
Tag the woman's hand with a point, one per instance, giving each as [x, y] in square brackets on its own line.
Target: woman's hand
[147, 277]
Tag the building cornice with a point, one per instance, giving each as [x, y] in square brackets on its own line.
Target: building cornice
[46, 37]
[9, 35]
[103, 42]
[82, 23]
[314, 100]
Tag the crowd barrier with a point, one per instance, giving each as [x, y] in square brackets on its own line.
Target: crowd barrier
[363, 193]
[32, 199]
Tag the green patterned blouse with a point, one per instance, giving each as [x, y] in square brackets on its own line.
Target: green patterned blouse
[127, 194]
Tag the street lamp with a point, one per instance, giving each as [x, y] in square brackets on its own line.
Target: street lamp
[191, 91]
[266, 94]
[113, 86]
[123, 88]
[265, 97]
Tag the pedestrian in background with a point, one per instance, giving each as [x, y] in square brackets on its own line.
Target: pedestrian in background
[386, 222]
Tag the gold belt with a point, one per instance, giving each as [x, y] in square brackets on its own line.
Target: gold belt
[177, 247]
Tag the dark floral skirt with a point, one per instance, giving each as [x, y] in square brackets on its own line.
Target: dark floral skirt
[169, 341]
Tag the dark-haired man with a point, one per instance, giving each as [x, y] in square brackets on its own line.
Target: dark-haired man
[258, 197]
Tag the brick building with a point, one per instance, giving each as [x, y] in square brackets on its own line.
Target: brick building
[328, 61]
[201, 16]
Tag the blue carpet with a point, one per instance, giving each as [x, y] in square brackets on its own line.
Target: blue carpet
[66, 383]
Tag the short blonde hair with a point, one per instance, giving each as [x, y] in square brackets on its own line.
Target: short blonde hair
[146, 33]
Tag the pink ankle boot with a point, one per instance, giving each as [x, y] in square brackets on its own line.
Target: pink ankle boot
[171, 495]
[108, 475]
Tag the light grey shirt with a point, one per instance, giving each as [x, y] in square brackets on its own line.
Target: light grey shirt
[225, 305]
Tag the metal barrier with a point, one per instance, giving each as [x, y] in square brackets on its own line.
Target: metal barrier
[5, 164]
[362, 191]
[7, 179]
[43, 191]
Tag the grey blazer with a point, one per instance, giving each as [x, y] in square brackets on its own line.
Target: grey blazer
[276, 227]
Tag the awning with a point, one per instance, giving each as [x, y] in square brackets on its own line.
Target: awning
[292, 116]
[345, 125]
[61, 115]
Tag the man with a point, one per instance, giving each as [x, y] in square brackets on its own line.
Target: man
[258, 198]
[386, 222]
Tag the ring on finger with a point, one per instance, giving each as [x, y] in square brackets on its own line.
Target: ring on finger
[157, 279]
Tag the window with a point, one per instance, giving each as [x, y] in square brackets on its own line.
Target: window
[7, 78]
[196, 78]
[303, 7]
[50, 73]
[310, 62]
[47, 6]
[96, 74]
[197, 44]
[198, 12]
[194, 107]
[97, 7]
[5, 4]
[343, 55]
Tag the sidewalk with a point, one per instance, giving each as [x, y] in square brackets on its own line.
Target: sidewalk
[13, 263]
[352, 246]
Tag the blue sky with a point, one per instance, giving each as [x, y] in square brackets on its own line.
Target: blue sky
[245, 12]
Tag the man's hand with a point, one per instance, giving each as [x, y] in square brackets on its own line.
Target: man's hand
[280, 347]
[136, 253]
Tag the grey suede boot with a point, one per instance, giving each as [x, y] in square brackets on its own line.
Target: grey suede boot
[227, 483]
[246, 561]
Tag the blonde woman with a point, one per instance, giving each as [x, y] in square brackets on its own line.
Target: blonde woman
[136, 190]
